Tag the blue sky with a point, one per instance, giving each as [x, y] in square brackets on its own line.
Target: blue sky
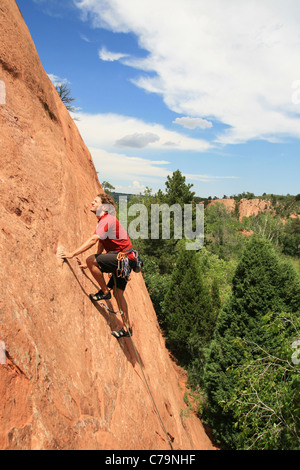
[209, 88]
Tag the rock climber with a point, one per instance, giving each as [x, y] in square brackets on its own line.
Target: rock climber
[113, 239]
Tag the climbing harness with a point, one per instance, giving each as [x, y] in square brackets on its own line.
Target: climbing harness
[129, 330]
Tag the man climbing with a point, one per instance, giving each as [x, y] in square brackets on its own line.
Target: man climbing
[111, 237]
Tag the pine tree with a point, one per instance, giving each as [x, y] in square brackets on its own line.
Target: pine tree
[178, 192]
[188, 310]
[261, 285]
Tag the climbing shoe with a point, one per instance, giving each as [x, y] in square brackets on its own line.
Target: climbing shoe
[122, 333]
[100, 296]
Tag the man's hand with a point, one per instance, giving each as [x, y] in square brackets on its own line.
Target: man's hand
[62, 253]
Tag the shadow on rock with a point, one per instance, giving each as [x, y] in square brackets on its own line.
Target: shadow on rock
[113, 321]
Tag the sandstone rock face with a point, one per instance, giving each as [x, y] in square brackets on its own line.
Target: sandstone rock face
[249, 207]
[66, 382]
[228, 203]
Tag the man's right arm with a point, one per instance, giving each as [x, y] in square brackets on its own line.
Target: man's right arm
[84, 247]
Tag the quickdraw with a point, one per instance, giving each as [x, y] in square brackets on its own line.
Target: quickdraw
[120, 312]
[123, 266]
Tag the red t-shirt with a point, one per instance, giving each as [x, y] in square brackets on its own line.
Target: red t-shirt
[113, 236]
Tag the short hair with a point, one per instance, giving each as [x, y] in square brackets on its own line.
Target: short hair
[108, 199]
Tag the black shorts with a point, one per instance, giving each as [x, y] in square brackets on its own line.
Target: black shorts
[108, 263]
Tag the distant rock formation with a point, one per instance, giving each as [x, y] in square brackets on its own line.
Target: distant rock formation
[250, 207]
[246, 207]
[228, 203]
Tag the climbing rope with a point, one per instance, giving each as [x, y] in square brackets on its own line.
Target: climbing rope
[137, 356]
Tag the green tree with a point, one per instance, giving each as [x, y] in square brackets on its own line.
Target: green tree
[164, 250]
[218, 273]
[189, 312]
[261, 284]
[221, 232]
[265, 225]
[177, 191]
[266, 399]
[64, 93]
[107, 187]
[157, 285]
[290, 239]
[161, 250]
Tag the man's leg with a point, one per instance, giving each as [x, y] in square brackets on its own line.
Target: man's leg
[109, 263]
[119, 295]
[96, 273]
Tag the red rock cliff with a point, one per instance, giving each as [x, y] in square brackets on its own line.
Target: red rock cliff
[246, 207]
[66, 382]
[228, 203]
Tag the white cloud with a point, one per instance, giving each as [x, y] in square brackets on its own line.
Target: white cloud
[121, 167]
[137, 187]
[84, 38]
[57, 81]
[232, 62]
[118, 166]
[133, 188]
[108, 56]
[137, 140]
[104, 134]
[193, 123]
[111, 131]
[207, 178]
